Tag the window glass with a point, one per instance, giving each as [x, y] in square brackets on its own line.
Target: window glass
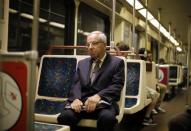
[51, 24]
[1, 9]
[90, 20]
[20, 25]
[51, 31]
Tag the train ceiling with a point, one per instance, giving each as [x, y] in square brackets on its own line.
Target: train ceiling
[176, 12]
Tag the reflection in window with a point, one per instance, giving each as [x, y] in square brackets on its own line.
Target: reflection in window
[90, 20]
[1, 10]
[51, 24]
[52, 31]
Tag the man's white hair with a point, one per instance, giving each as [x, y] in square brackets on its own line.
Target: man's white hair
[101, 37]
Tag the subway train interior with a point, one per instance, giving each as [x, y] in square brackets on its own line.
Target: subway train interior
[42, 42]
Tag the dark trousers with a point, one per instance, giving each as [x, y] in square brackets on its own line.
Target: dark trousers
[181, 122]
[106, 120]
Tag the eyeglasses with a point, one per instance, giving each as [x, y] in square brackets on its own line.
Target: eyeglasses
[93, 43]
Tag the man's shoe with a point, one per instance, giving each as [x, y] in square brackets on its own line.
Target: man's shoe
[161, 110]
[154, 112]
[148, 122]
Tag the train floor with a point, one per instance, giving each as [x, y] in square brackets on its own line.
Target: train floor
[172, 106]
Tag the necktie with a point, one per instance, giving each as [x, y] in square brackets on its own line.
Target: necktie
[95, 70]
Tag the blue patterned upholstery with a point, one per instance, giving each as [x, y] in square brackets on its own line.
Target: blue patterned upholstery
[133, 76]
[43, 106]
[173, 72]
[46, 127]
[56, 76]
[129, 102]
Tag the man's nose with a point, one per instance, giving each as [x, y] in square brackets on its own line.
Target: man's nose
[90, 45]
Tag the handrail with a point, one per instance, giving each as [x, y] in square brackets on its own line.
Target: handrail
[115, 51]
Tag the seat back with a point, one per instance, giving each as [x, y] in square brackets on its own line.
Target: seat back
[135, 98]
[54, 81]
[164, 74]
[173, 75]
[151, 76]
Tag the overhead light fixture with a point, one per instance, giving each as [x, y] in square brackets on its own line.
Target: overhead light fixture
[138, 5]
[143, 13]
[164, 31]
[178, 49]
[155, 23]
[58, 25]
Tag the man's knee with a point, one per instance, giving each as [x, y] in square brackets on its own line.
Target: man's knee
[107, 118]
[67, 117]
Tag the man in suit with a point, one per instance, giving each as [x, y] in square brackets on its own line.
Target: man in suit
[95, 93]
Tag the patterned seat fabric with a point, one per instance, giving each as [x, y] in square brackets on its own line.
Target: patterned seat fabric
[55, 81]
[132, 86]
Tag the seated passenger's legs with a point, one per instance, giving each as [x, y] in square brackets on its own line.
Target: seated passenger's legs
[162, 90]
[153, 95]
[106, 120]
[68, 117]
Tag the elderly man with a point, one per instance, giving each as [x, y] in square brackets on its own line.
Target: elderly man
[97, 86]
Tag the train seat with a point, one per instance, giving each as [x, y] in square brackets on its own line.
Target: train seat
[135, 99]
[53, 85]
[39, 126]
[54, 72]
[173, 75]
[151, 75]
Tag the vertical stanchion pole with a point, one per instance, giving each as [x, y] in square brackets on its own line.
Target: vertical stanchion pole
[169, 29]
[4, 20]
[113, 25]
[34, 56]
[188, 63]
[133, 33]
[77, 3]
[146, 24]
[159, 36]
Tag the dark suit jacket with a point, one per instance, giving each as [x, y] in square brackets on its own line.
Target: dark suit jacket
[107, 83]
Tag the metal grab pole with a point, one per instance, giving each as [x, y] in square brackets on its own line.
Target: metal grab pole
[113, 24]
[77, 3]
[146, 24]
[188, 63]
[133, 33]
[34, 56]
[159, 35]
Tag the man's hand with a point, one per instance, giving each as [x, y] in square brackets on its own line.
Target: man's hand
[91, 102]
[76, 105]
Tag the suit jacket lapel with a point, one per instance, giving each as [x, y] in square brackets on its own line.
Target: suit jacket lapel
[87, 70]
[103, 67]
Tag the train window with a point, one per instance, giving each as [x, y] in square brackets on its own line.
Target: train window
[20, 25]
[90, 20]
[51, 24]
[1, 10]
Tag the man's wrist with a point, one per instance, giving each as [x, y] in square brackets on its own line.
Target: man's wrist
[97, 97]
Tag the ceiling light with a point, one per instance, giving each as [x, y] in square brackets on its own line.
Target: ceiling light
[178, 49]
[143, 13]
[138, 5]
[155, 23]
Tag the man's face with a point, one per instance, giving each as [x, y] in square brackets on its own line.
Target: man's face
[149, 57]
[95, 47]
